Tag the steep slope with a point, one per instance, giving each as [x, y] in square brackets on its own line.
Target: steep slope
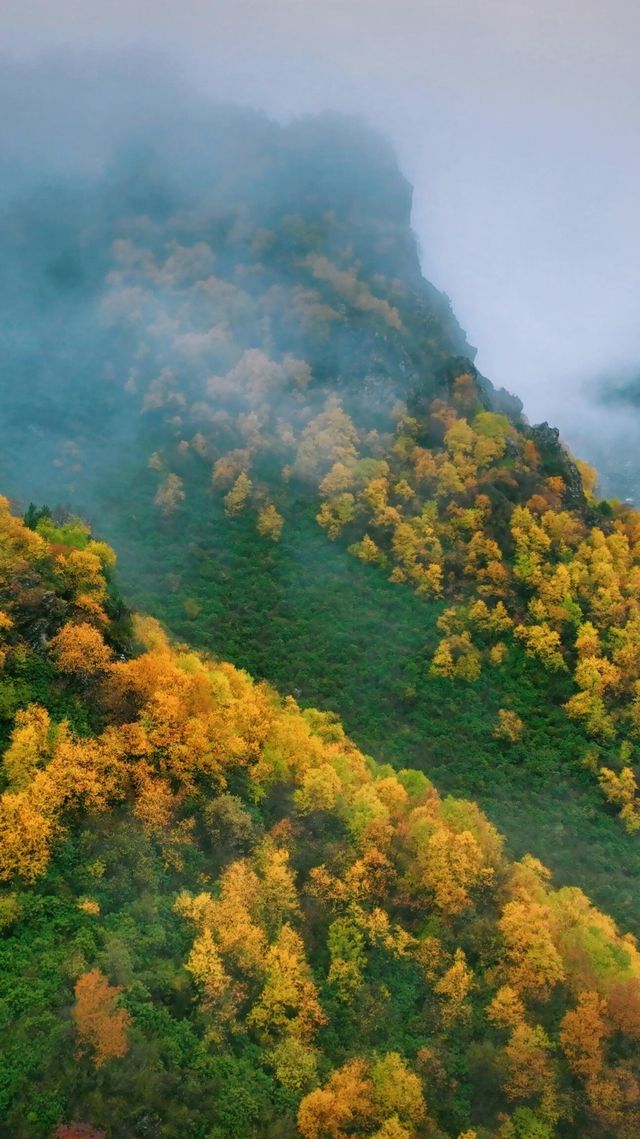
[220, 918]
[222, 345]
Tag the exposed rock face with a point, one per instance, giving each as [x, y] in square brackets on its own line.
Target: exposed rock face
[557, 461]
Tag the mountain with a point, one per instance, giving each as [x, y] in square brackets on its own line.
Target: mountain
[236, 906]
[218, 344]
[220, 918]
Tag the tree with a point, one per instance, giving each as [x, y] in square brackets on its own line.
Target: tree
[328, 439]
[28, 826]
[319, 789]
[270, 522]
[277, 896]
[418, 554]
[509, 727]
[236, 500]
[397, 1090]
[208, 971]
[100, 1024]
[490, 619]
[230, 828]
[170, 494]
[386, 1096]
[543, 644]
[82, 571]
[452, 864]
[621, 789]
[346, 945]
[534, 964]
[29, 745]
[392, 1128]
[80, 650]
[367, 550]
[77, 1131]
[337, 480]
[590, 708]
[227, 468]
[460, 438]
[532, 544]
[240, 940]
[530, 1071]
[584, 1032]
[506, 1009]
[454, 988]
[295, 1064]
[623, 1005]
[345, 1103]
[334, 514]
[288, 1004]
[457, 657]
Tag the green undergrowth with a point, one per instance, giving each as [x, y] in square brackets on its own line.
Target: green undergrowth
[315, 622]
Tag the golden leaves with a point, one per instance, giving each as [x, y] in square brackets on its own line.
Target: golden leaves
[100, 1024]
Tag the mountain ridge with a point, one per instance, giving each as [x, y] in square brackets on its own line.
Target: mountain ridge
[210, 376]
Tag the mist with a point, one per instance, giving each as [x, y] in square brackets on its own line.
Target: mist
[516, 123]
[291, 297]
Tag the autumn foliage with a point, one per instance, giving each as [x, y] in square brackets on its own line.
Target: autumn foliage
[77, 1131]
[220, 916]
[359, 937]
[100, 1024]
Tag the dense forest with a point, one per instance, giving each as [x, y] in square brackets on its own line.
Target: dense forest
[220, 347]
[221, 915]
[221, 918]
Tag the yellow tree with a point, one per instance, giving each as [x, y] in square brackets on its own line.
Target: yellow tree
[343, 1106]
[28, 826]
[328, 439]
[534, 965]
[398, 1090]
[585, 1030]
[207, 969]
[530, 1070]
[101, 1026]
[277, 899]
[80, 650]
[337, 480]
[367, 550]
[543, 644]
[29, 745]
[454, 988]
[452, 865]
[236, 500]
[319, 789]
[621, 789]
[506, 1010]
[532, 544]
[288, 1004]
[457, 657]
[509, 726]
[336, 513]
[270, 522]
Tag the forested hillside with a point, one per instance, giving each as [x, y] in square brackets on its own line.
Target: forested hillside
[219, 346]
[220, 918]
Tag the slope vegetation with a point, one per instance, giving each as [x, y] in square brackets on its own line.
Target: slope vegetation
[278, 422]
[221, 918]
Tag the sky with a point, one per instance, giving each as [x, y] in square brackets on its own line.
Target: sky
[517, 121]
